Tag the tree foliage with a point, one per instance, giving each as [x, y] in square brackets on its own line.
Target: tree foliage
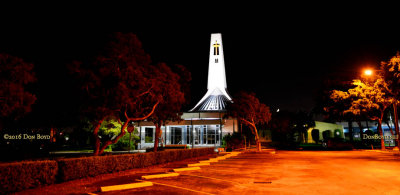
[368, 98]
[169, 87]
[248, 109]
[301, 122]
[118, 84]
[390, 72]
[108, 129]
[15, 76]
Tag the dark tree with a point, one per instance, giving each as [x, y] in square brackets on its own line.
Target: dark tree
[118, 84]
[369, 98]
[334, 111]
[172, 98]
[15, 76]
[390, 72]
[185, 78]
[315, 135]
[281, 129]
[301, 122]
[250, 111]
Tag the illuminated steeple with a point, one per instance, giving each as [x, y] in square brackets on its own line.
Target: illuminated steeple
[216, 97]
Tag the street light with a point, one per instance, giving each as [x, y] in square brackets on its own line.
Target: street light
[368, 75]
[368, 72]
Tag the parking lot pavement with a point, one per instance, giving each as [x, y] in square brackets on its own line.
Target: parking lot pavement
[285, 172]
[288, 172]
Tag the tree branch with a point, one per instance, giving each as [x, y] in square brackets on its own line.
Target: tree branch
[146, 92]
[252, 125]
[119, 121]
[142, 118]
[248, 122]
[121, 134]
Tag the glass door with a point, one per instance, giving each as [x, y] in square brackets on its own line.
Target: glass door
[196, 135]
[211, 134]
[176, 135]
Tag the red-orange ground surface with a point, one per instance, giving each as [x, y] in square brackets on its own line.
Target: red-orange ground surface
[286, 172]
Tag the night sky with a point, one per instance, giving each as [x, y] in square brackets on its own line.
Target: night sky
[285, 67]
[285, 64]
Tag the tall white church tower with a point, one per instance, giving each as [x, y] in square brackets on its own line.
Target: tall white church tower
[216, 97]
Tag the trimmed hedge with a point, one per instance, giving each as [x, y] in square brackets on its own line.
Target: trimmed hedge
[76, 168]
[22, 175]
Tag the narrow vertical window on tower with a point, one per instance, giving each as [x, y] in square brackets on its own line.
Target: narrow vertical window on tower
[216, 48]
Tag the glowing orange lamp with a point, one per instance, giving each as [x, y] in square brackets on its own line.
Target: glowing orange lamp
[368, 72]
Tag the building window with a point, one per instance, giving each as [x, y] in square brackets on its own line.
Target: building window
[197, 134]
[204, 134]
[176, 135]
[148, 135]
[211, 134]
[189, 135]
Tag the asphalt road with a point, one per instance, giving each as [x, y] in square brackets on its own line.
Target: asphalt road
[285, 172]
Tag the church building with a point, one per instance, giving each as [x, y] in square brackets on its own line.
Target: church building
[204, 125]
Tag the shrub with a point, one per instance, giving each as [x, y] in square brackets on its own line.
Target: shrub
[369, 132]
[315, 135]
[327, 134]
[338, 133]
[233, 141]
[123, 143]
[75, 168]
[22, 175]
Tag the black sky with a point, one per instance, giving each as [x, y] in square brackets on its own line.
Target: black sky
[284, 67]
[284, 63]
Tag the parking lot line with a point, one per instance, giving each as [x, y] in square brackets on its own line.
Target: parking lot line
[186, 169]
[178, 187]
[126, 186]
[198, 164]
[208, 161]
[160, 175]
